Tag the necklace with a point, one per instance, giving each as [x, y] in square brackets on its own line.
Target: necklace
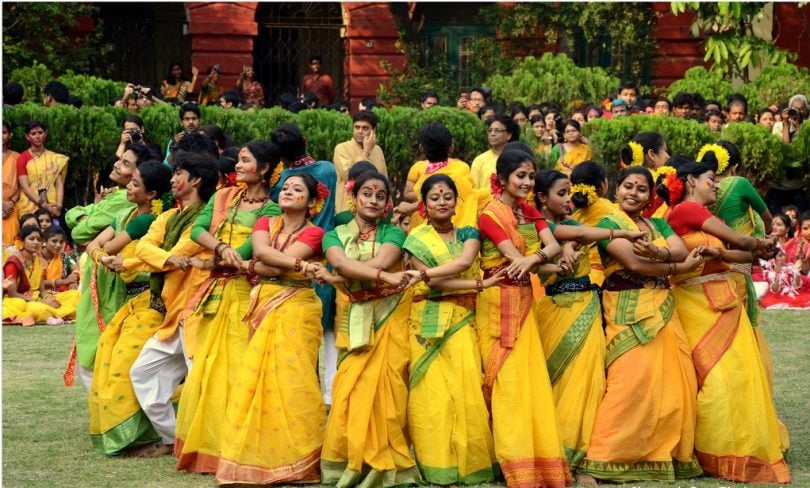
[443, 230]
[302, 161]
[261, 199]
[274, 240]
[364, 235]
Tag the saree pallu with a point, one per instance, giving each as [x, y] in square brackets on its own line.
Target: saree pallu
[11, 185]
[274, 421]
[568, 161]
[570, 325]
[526, 434]
[116, 419]
[367, 441]
[591, 216]
[217, 338]
[42, 173]
[19, 311]
[447, 414]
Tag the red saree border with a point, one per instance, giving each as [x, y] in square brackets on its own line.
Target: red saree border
[305, 470]
[714, 343]
[536, 473]
[744, 469]
[194, 462]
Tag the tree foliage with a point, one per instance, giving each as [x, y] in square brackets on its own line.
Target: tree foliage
[34, 31]
[776, 84]
[710, 84]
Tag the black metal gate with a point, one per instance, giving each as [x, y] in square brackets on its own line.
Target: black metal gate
[289, 33]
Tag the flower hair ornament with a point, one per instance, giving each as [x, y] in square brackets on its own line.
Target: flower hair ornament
[421, 210]
[674, 187]
[495, 185]
[587, 190]
[638, 153]
[389, 206]
[349, 187]
[276, 176]
[165, 201]
[231, 179]
[662, 172]
[320, 200]
[722, 155]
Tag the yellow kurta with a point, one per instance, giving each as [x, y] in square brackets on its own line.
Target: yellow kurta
[19, 311]
[482, 169]
[346, 154]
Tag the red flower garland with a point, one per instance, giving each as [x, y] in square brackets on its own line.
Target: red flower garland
[675, 188]
[495, 184]
[231, 177]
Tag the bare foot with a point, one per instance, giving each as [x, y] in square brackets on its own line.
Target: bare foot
[585, 479]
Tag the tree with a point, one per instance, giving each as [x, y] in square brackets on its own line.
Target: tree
[41, 32]
[731, 43]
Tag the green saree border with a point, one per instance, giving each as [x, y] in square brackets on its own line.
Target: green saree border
[421, 366]
[572, 341]
[134, 431]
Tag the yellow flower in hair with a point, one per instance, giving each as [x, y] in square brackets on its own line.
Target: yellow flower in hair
[722, 155]
[276, 175]
[638, 153]
[352, 205]
[663, 171]
[588, 190]
[157, 206]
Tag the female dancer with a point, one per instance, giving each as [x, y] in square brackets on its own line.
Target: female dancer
[216, 336]
[366, 438]
[737, 436]
[648, 149]
[116, 419]
[570, 321]
[528, 446]
[651, 383]
[273, 426]
[447, 415]
[589, 186]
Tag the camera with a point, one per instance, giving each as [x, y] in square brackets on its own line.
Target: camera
[136, 89]
[792, 112]
[135, 135]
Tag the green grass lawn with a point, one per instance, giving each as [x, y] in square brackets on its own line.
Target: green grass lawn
[45, 426]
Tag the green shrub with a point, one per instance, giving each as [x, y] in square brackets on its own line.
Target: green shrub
[33, 79]
[709, 84]
[553, 78]
[776, 84]
[764, 156]
[93, 90]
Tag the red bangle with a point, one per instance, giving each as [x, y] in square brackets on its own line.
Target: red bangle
[297, 266]
[424, 275]
[479, 285]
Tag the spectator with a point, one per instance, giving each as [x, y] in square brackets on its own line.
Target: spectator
[737, 108]
[12, 94]
[572, 151]
[713, 105]
[250, 89]
[55, 93]
[715, 120]
[230, 99]
[696, 112]
[477, 98]
[579, 116]
[682, 105]
[592, 112]
[44, 219]
[533, 110]
[197, 142]
[309, 100]
[341, 106]
[618, 108]
[793, 115]
[765, 118]
[190, 120]
[361, 147]
[662, 107]
[11, 188]
[368, 103]
[211, 89]
[318, 82]
[541, 138]
[554, 126]
[134, 132]
[217, 136]
[792, 213]
[628, 91]
[175, 87]
[286, 99]
[41, 173]
[486, 113]
[500, 130]
[520, 116]
[428, 99]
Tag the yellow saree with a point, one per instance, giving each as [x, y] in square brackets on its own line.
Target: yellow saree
[42, 173]
[645, 424]
[737, 435]
[470, 200]
[274, 420]
[19, 311]
[568, 161]
[11, 185]
[591, 216]
[447, 415]
[528, 445]
[570, 325]
[366, 435]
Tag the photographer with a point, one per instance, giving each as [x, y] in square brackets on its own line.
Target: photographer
[793, 115]
[134, 132]
[136, 97]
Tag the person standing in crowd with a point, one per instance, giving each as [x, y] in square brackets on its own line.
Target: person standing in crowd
[501, 129]
[366, 434]
[573, 150]
[447, 416]
[167, 248]
[474, 101]
[662, 107]
[55, 93]
[215, 336]
[682, 105]
[628, 91]
[737, 108]
[11, 189]
[41, 173]
[428, 99]
[528, 445]
[618, 108]
[272, 430]
[230, 100]
[588, 190]
[715, 120]
[190, 121]
[318, 82]
[651, 386]
[733, 387]
[117, 423]
[250, 88]
[175, 87]
[361, 147]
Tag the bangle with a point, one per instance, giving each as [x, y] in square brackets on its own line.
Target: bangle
[722, 253]
[657, 253]
[297, 266]
[379, 272]
[610, 237]
[673, 268]
[542, 255]
[479, 285]
[424, 275]
[252, 266]
[217, 250]
[669, 254]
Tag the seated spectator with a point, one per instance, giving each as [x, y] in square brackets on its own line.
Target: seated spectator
[55, 93]
[715, 120]
[793, 214]
[286, 99]
[230, 99]
[176, 87]
[61, 271]
[765, 118]
[310, 100]
[12, 94]
[44, 219]
[662, 107]
[210, 91]
[682, 105]
[251, 90]
[787, 287]
[428, 99]
[297, 106]
[341, 106]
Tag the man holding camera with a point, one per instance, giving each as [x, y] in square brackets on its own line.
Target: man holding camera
[792, 118]
[190, 120]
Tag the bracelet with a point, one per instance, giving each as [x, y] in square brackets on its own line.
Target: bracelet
[297, 266]
[657, 253]
[610, 237]
[252, 266]
[479, 285]
[379, 272]
[424, 275]
[304, 267]
[669, 254]
[672, 268]
[542, 255]
[722, 253]
[217, 249]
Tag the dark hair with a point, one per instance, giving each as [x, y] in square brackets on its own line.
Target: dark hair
[690, 168]
[428, 94]
[737, 98]
[58, 91]
[574, 123]
[650, 141]
[787, 223]
[227, 160]
[763, 112]
[308, 100]
[366, 116]
[156, 177]
[133, 118]
[189, 107]
[33, 124]
[368, 176]
[309, 181]
[484, 108]
[42, 211]
[6, 125]
[509, 124]
[735, 159]
[217, 136]
[199, 165]
[436, 140]
[290, 141]
[697, 99]
[28, 230]
[543, 182]
[484, 93]
[593, 108]
[12, 93]
[682, 98]
[232, 97]
[519, 146]
[316, 57]
[267, 155]
[197, 142]
[627, 84]
[27, 216]
[537, 118]
[54, 230]
[663, 99]
[677, 161]
[75, 101]
[803, 217]
[519, 110]
[586, 173]
[788, 208]
[369, 103]
[714, 113]
[637, 170]
[142, 152]
[510, 160]
[359, 168]
[170, 78]
[434, 180]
